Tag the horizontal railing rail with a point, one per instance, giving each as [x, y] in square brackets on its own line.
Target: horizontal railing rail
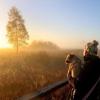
[44, 91]
[48, 92]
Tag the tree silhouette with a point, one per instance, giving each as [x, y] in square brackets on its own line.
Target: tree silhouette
[16, 30]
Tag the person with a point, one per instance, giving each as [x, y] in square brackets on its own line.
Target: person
[91, 48]
[95, 47]
[90, 72]
[87, 78]
[74, 67]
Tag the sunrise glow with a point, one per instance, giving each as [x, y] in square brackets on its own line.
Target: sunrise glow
[61, 22]
[3, 42]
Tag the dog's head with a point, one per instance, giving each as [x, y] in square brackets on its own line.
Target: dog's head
[69, 58]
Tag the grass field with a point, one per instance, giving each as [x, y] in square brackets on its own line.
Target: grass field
[29, 71]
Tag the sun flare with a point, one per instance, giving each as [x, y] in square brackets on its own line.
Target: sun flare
[4, 45]
[3, 42]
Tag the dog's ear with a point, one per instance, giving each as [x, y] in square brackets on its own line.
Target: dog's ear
[71, 55]
[68, 58]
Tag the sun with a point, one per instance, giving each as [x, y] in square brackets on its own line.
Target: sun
[5, 45]
[4, 42]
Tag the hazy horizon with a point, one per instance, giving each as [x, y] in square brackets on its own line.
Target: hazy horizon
[67, 23]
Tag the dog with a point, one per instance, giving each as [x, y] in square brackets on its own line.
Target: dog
[71, 58]
[74, 67]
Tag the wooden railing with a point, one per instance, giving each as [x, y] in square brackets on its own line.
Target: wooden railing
[55, 91]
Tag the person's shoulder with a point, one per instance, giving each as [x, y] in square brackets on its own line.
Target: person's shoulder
[96, 59]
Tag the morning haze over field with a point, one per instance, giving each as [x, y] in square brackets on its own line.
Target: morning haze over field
[42, 32]
[67, 23]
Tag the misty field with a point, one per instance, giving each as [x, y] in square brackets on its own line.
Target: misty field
[29, 71]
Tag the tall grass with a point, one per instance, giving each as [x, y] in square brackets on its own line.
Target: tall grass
[29, 71]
